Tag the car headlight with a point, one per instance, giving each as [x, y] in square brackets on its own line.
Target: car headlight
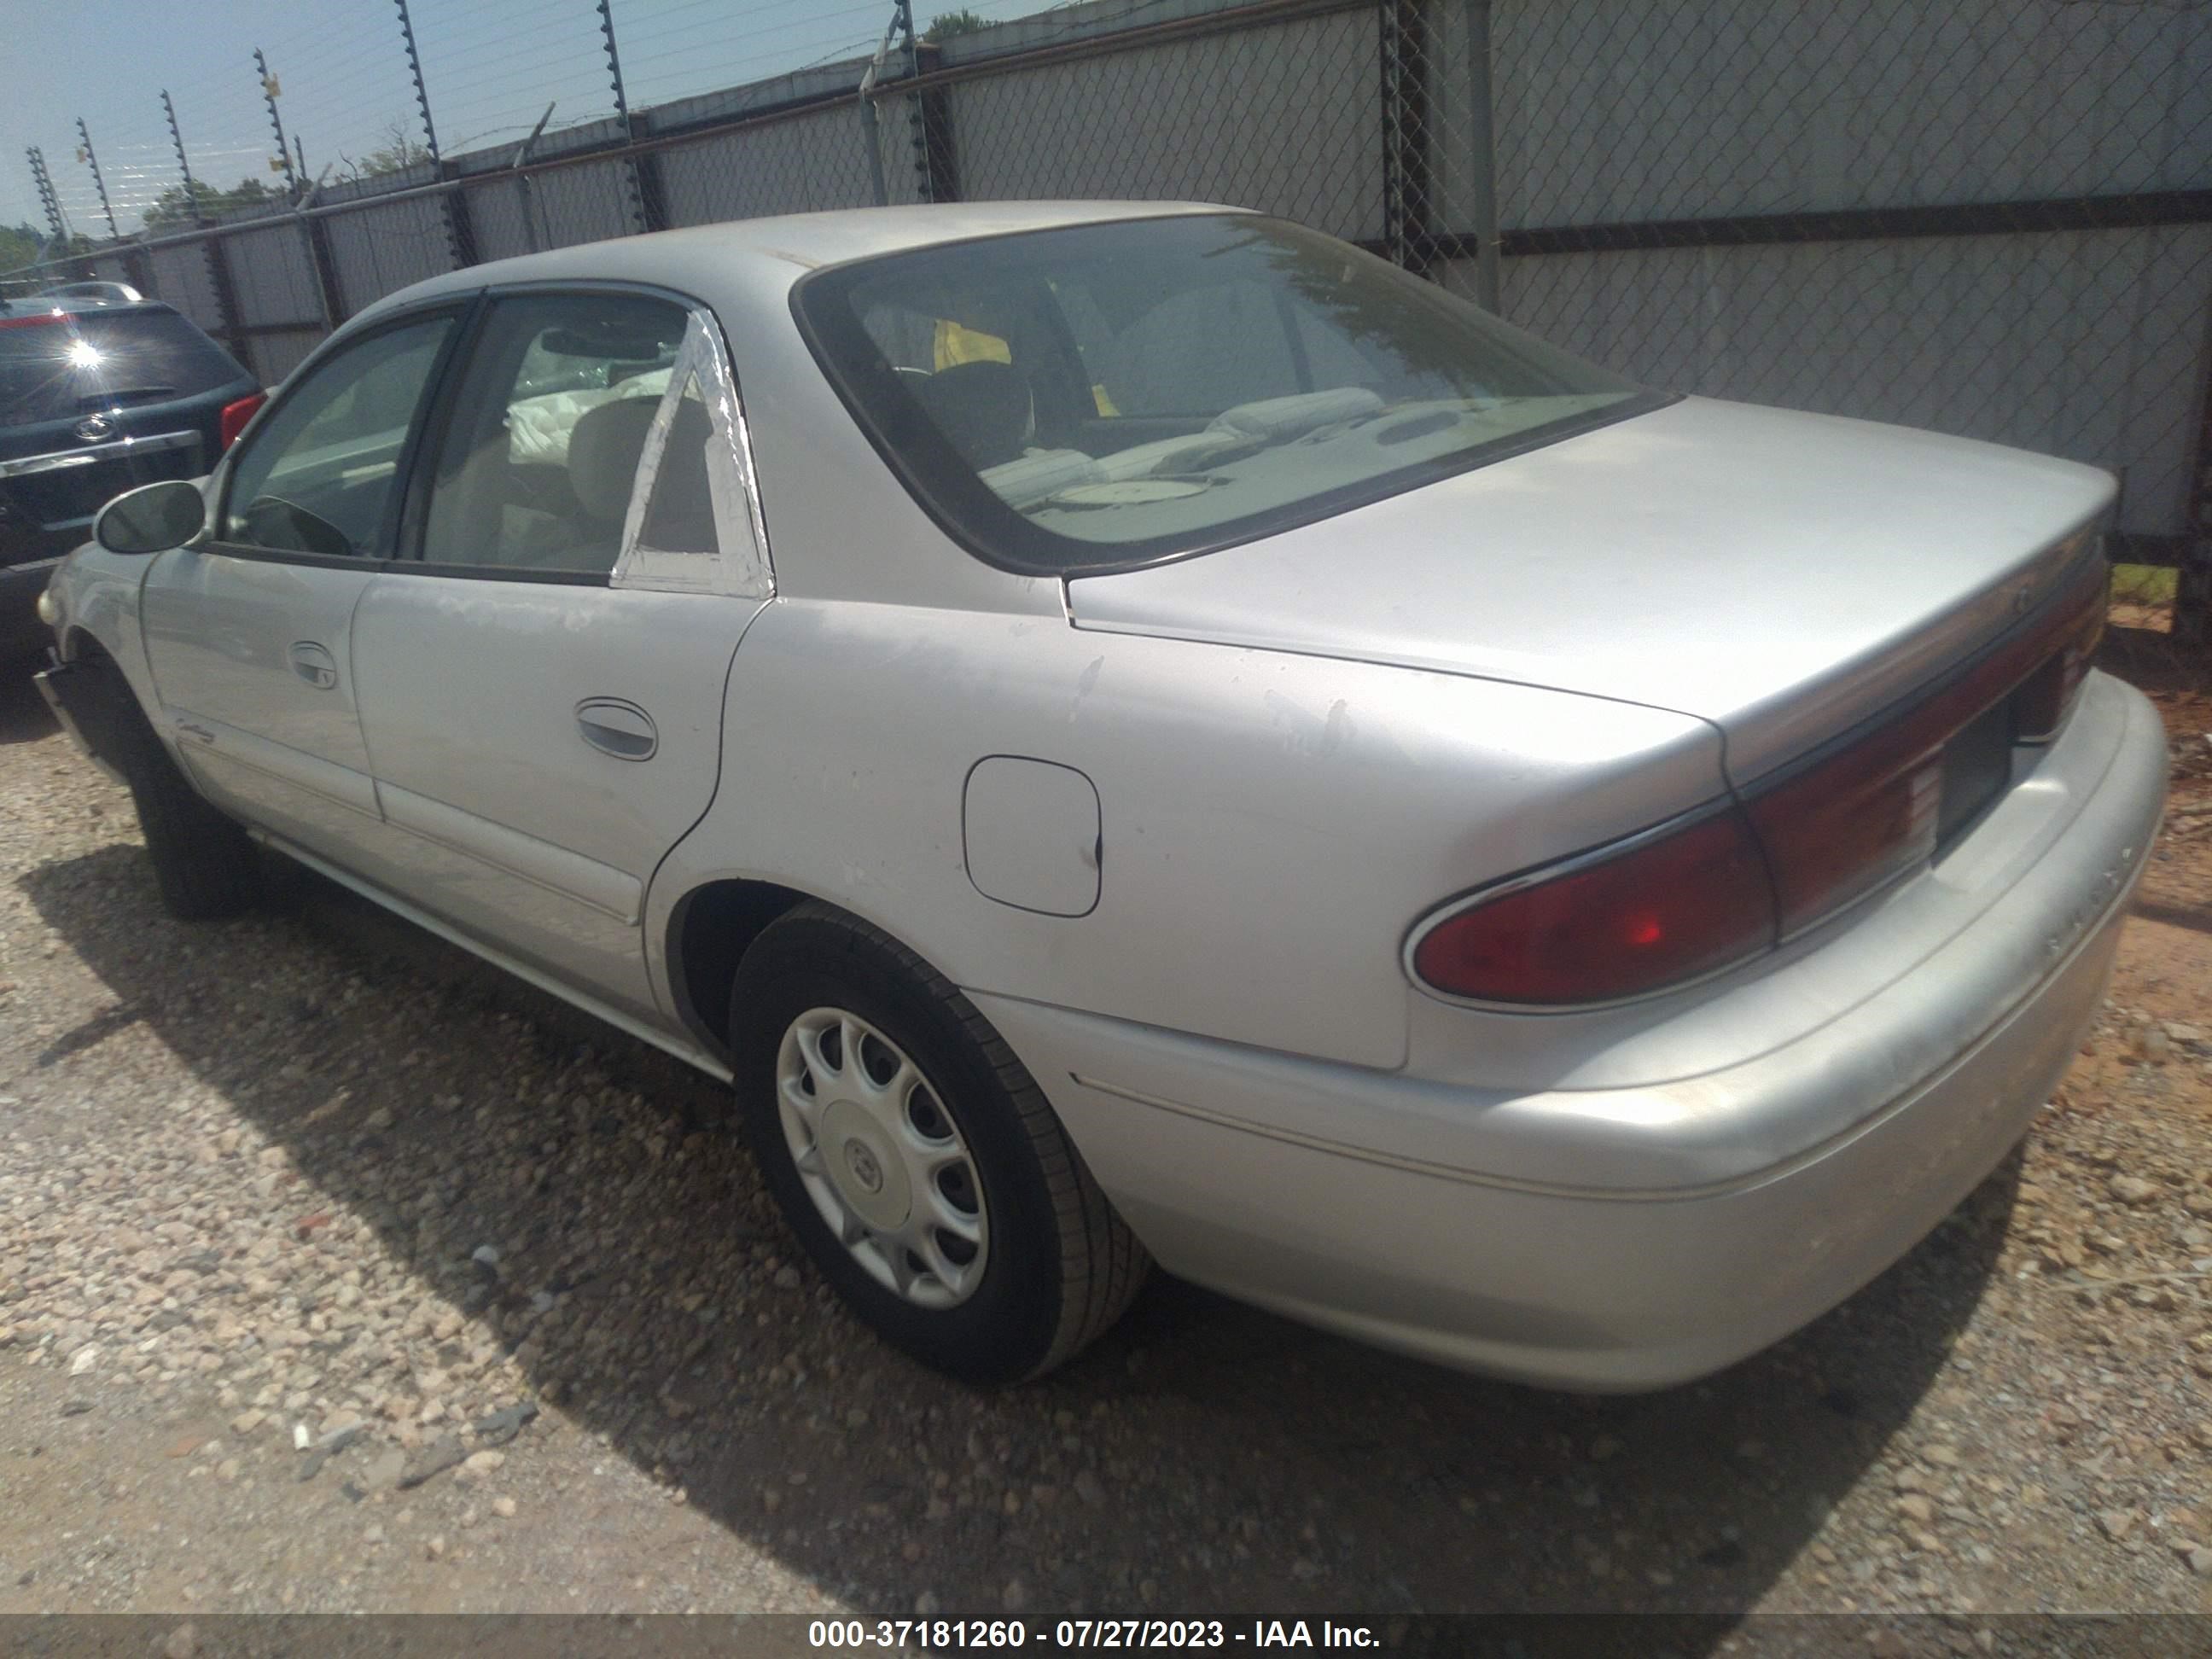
[50, 612]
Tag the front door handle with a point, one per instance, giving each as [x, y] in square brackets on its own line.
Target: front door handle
[314, 664]
[617, 728]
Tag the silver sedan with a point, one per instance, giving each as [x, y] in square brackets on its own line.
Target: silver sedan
[1140, 732]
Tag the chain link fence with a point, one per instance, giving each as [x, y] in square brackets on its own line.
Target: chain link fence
[1987, 217]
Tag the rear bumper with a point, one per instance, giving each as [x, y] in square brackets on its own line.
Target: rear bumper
[1288, 1181]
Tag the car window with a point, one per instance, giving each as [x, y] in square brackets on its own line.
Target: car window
[549, 422]
[317, 476]
[1172, 385]
[1194, 353]
[64, 367]
[679, 513]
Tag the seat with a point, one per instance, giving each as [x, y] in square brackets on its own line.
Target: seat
[604, 448]
[680, 516]
[982, 408]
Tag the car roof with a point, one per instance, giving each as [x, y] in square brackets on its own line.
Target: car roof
[703, 259]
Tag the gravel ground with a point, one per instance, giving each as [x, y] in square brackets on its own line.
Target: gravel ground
[316, 1177]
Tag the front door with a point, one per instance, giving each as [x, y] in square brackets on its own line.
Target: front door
[249, 634]
[542, 693]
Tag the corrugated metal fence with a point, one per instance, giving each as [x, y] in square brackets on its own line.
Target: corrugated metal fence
[1991, 217]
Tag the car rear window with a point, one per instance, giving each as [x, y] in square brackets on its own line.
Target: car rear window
[1109, 395]
[51, 369]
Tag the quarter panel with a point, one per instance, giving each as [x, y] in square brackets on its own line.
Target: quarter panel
[1270, 824]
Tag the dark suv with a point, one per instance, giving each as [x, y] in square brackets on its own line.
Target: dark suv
[96, 398]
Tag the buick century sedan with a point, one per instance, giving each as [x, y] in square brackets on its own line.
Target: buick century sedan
[1139, 732]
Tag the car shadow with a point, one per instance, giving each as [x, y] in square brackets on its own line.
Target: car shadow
[2151, 660]
[1204, 1456]
[24, 716]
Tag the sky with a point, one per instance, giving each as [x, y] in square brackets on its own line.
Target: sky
[491, 66]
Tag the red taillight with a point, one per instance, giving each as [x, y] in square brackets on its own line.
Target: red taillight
[235, 415]
[1662, 909]
[1837, 828]
[2042, 705]
[1665, 908]
[1844, 827]
[34, 320]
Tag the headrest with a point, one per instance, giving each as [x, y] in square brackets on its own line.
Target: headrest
[603, 453]
[982, 408]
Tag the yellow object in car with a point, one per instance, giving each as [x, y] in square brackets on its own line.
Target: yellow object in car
[957, 343]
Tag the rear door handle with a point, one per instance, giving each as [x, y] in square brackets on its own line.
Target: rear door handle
[314, 664]
[617, 728]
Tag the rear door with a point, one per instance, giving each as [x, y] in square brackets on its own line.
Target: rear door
[249, 634]
[542, 690]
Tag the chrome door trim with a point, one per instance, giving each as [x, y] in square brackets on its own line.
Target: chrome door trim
[200, 734]
[613, 892]
[56, 460]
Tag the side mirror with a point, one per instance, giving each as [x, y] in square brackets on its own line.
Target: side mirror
[151, 518]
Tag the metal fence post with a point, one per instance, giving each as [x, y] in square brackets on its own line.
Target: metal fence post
[218, 267]
[184, 162]
[648, 204]
[529, 198]
[327, 294]
[292, 180]
[871, 127]
[928, 126]
[43, 182]
[460, 239]
[1409, 227]
[91, 159]
[2192, 588]
[1483, 174]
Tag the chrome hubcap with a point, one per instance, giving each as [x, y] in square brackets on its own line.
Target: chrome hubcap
[881, 1158]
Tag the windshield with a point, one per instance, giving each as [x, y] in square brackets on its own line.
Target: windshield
[58, 368]
[1112, 394]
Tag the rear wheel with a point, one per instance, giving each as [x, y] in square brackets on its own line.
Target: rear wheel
[916, 1158]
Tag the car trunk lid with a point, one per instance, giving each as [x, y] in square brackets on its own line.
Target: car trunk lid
[1783, 575]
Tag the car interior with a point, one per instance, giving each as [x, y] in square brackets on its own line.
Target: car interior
[541, 479]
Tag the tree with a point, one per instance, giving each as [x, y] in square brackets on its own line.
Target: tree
[174, 206]
[399, 151]
[24, 245]
[20, 245]
[946, 25]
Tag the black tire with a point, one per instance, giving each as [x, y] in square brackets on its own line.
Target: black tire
[204, 865]
[1062, 1265]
